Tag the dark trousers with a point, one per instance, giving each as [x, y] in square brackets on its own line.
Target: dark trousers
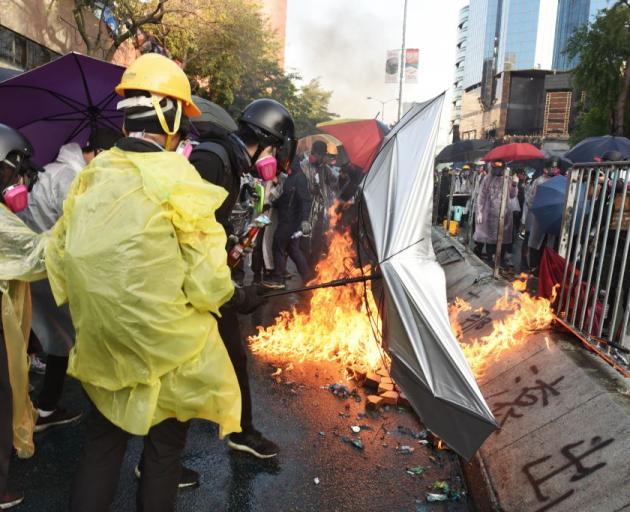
[95, 484]
[258, 260]
[283, 244]
[54, 379]
[6, 418]
[231, 335]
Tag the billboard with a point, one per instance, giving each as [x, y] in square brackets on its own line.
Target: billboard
[392, 71]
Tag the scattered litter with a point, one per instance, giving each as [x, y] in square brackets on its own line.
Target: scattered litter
[365, 427]
[322, 434]
[339, 390]
[422, 434]
[361, 415]
[416, 470]
[355, 428]
[431, 497]
[316, 480]
[357, 443]
[441, 485]
[423, 441]
[344, 414]
[405, 449]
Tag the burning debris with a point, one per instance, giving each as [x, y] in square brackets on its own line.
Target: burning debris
[525, 314]
[335, 326]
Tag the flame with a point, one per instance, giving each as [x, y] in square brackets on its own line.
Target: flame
[335, 326]
[526, 314]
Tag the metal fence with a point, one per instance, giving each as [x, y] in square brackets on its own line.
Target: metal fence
[594, 298]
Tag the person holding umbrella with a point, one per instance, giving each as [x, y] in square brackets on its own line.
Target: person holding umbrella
[487, 213]
[52, 324]
[141, 260]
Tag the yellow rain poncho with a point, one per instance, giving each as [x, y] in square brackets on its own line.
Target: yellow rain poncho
[21, 259]
[139, 256]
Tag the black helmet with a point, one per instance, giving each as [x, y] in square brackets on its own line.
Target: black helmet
[12, 141]
[273, 126]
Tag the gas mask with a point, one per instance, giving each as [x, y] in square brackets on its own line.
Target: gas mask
[267, 167]
[16, 197]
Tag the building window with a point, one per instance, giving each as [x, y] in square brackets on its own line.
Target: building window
[20, 52]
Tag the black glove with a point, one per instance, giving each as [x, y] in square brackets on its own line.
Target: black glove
[246, 300]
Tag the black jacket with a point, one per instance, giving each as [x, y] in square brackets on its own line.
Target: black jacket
[294, 205]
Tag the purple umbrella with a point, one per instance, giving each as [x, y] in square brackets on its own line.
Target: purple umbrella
[61, 102]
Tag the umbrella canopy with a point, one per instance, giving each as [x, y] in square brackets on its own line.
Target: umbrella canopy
[304, 144]
[464, 151]
[514, 151]
[361, 138]
[61, 102]
[548, 205]
[427, 362]
[589, 149]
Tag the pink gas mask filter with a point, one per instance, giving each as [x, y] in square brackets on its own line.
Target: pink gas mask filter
[16, 197]
[267, 168]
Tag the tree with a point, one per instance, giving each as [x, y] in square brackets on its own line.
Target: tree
[603, 72]
[104, 25]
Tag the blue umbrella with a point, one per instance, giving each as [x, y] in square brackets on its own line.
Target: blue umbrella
[588, 149]
[548, 205]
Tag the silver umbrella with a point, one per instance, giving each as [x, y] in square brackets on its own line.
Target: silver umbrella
[427, 362]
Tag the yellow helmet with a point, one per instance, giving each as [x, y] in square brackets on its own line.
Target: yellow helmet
[159, 75]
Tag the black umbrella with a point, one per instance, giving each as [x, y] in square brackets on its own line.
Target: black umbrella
[464, 151]
[588, 149]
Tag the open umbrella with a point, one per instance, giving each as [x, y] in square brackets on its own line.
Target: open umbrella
[548, 205]
[464, 151]
[304, 144]
[427, 362]
[61, 102]
[514, 151]
[589, 149]
[361, 138]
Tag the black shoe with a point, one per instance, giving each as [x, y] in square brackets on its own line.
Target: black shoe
[253, 442]
[257, 278]
[272, 284]
[59, 417]
[10, 499]
[188, 478]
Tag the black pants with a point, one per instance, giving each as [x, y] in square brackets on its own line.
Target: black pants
[258, 260]
[95, 484]
[231, 335]
[6, 418]
[52, 387]
[283, 244]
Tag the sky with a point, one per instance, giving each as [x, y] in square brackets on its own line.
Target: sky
[344, 43]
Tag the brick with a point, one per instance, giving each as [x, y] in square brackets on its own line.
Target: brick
[373, 402]
[383, 387]
[372, 380]
[390, 397]
[382, 372]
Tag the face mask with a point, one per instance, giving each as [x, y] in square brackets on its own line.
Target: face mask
[184, 148]
[267, 168]
[16, 197]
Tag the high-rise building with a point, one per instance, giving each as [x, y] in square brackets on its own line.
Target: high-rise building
[460, 56]
[572, 14]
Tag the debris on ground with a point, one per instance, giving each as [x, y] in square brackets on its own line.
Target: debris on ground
[405, 449]
[355, 428]
[316, 480]
[357, 443]
[339, 390]
[322, 434]
[422, 434]
[431, 497]
[373, 402]
[445, 492]
[416, 470]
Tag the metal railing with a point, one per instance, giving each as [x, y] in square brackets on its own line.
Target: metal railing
[594, 297]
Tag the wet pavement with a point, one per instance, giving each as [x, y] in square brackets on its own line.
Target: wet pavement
[308, 422]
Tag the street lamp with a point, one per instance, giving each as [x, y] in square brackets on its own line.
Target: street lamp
[383, 103]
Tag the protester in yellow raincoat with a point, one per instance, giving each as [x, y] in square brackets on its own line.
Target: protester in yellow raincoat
[21, 259]
[141, 259]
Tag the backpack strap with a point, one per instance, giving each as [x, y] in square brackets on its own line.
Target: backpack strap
[217, 149]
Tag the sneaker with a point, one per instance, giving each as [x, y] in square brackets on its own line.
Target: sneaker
[253, 442]
[272, 284]
[189, 478]
[10, 499]
[59, 417]
[37, 365]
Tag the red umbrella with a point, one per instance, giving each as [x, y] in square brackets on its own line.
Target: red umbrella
[361, 138]
[514, 151]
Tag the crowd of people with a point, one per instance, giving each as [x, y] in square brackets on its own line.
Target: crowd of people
[124, 241]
